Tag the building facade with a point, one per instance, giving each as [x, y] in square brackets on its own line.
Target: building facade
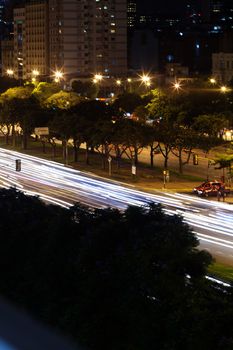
[87, 37]
[77, 37]
[36, 37]
[222, 67]
[7, 58]
[19, 44]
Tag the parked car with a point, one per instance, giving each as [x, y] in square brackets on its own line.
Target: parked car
[210, 188]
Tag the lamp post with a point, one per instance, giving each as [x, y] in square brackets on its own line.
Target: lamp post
[176, 86]
[35, 74]
[97, 79]
[10, 72]
[146, 80]
[58, 76]
[224, 90]
[110, 166]
[213, 81]
[129, 81]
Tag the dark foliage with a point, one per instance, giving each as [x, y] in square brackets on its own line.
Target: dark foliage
[112, 280]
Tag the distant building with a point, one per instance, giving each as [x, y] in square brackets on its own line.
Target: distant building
[8, 59]
[222, 67]
[131, 13]
[19, 43]
[36, 39]
[143, 52]
[176, 70]
[79, 38]
[88, 37]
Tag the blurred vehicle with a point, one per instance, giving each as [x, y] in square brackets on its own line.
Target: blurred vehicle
[210, 188]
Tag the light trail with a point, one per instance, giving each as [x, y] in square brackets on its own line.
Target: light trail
[61, 185]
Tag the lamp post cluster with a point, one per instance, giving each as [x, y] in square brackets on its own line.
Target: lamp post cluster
[57, 75]
[223, 88]
[127, 83]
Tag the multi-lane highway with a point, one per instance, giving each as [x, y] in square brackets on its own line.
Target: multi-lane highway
[54, 183]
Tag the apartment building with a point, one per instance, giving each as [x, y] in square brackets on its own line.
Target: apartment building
[19, 44]
[78, 37]
[222, 67]
[88, 36]
[36, 45]
[7, 57]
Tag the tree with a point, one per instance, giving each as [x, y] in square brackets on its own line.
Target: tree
[7, 83]
[29, 115]
[63, 100]
[112, 279]
[12, 106]
[9, 117]
[90, 115]
[210, 124]
[102, 139]
[18, 92]
[166, 138]
[140, 113]
[133, 137]
[225, 161]
[44, 90]
[85, 89]
[61, 125]
[185, 139]
[127, 102]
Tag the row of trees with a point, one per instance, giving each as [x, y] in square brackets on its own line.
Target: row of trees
[111, 279]
[181, 122]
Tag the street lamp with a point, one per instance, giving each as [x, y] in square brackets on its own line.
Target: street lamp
[176, 86]
[10, 72]
[213, 81]
[58, 75]
[145, 79]
[35, 73]
[118, 82]
[223, 89]
[98, 77]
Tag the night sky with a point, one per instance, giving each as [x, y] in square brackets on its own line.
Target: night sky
[164, 6]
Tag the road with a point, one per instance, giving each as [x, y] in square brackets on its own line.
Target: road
[55, 183]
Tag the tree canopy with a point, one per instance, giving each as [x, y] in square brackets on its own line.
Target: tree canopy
[112, 279]
[63, 100]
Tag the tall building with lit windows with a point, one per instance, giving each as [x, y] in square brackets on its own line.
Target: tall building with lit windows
[79, 37]
[88, 36]
[19, 43]
[132, 13]
[31, 50]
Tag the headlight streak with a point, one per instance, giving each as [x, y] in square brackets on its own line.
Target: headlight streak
[61, 185]
[214, 239]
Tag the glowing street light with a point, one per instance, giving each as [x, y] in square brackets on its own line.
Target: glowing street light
[145, 79]
[58, 75]
[223, 89]
[213, 81]
[10, 72]
[118, 82]
[177, 86]
[35, 73]
[129, 80]
[98, 77]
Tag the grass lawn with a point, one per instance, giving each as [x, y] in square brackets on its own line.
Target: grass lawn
[221, 271]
